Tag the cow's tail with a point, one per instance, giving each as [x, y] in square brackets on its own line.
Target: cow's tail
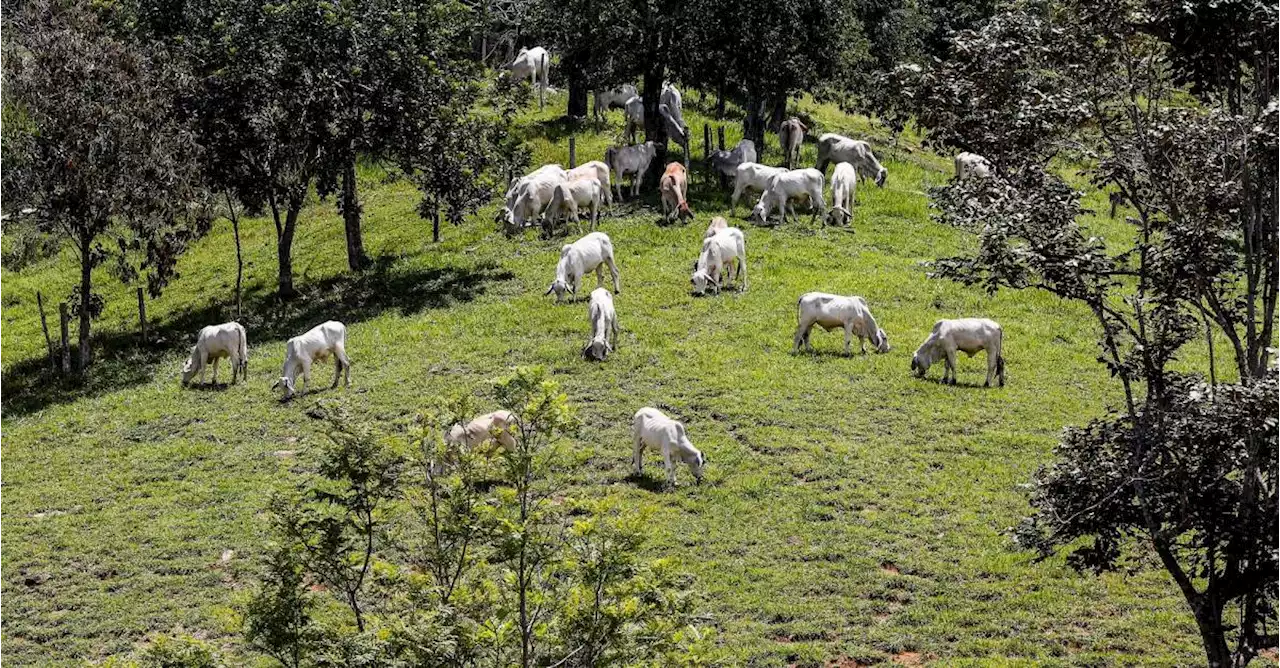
[244, 349]
[1000, 359]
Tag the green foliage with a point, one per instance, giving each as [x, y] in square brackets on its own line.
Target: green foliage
[179, 651]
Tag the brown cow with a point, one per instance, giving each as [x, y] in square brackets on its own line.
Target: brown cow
[673, 186]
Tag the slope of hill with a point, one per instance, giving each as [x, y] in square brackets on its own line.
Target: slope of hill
[850, 510]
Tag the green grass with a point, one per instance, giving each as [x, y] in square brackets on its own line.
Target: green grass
[850, 510]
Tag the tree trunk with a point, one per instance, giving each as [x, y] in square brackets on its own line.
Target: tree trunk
[655, 129]
[1209, 620]
[753, 123]
[435, 223]
[235, 230]
[778, 113]
[284, 244]
[86, 299]
[578, 95]
[351, 210]
[720, 101]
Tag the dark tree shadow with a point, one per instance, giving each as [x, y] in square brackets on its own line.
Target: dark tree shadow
[119, 360]
[561, 128]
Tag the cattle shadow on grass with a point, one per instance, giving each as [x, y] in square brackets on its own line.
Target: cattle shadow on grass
[120, 361]
[648, 483]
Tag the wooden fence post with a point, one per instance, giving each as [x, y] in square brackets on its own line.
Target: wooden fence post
[720, 136]
[142, 316]
[706, 141]
[44, 325]
[66, 336]
[573, 151]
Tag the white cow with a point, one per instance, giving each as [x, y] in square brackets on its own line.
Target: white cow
[788, 187]
[727, 162]
[529, 195]
[844, 190]
[617, 97]
[790, 137]
[591, 252]
[751, 176]
[677, 131]
[834, 311]
[968, 335]
[534, 63]
[838, 148]
[212, 344]
[633, 112]
[972, 165]
[671, 97]
[653, 429]
[717, 258]
[630, 160]
[600, 171]
[496, 426]
[316, 345]
[604, 325]
[718, 223]
[569, 197]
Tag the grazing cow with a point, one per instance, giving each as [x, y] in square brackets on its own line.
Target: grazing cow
[633, 111]
[844, 190]
[791, 136]
[671, 97]
[591, 252]
[608, 99]
[212, 344]
[726, 162]
[300, 352]
[632, 160]
[490, 427]
[718, 257]
[838, 148]
[598, 170]
[971, 165]
[676, 130]
[833, 311]
[534, 63]
[673, 186]
[653, 429]
[570, 196]
[604, 326]
[787, 187]
[529, 195]
[968, 335]
[718, 223]
[751, 176]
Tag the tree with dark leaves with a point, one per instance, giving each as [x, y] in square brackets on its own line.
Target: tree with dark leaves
[94, 151]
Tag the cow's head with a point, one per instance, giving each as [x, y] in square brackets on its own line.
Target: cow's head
[838, 216]
[561, 287]
[881, 176]
[881, 341]
[700, 281]
[597, 349]
[287, 383]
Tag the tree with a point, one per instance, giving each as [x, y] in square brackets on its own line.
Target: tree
[100, 157]
[1187, 469]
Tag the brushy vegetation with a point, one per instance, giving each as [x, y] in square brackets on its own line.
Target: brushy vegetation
[850, 510]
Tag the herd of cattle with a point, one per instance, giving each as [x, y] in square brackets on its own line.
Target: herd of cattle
[552, 194]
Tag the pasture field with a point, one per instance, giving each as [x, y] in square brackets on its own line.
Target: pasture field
[852, 513]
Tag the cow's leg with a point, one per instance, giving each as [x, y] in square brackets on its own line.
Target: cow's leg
[951, 367]
[613, 332]
[637, 458]
[802, 336]
[991, 367]
[742, 271]
[306, 375]
[848, 339]
[600, 275]
[669, 466]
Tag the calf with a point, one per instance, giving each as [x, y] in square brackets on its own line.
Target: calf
[833, 311]
[673, 186]
[968, 335]
[496, 426]
[971, 165]
[718, 256]
[751, 176]
[214, 343]
[844, 190]
[599, 171]
[608, 99]
[591, 252]
[727, 162]
[632, 160]
[718, 223]
[838, 148]
[651, 428]
[529, 195]
[787, 187]
[570, 196]
[604, 326]
[791, 136]
[316, 345]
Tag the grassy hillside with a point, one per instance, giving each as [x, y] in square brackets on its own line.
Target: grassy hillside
[850, 509]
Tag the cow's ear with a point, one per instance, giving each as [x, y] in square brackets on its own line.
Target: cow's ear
[549, 289]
